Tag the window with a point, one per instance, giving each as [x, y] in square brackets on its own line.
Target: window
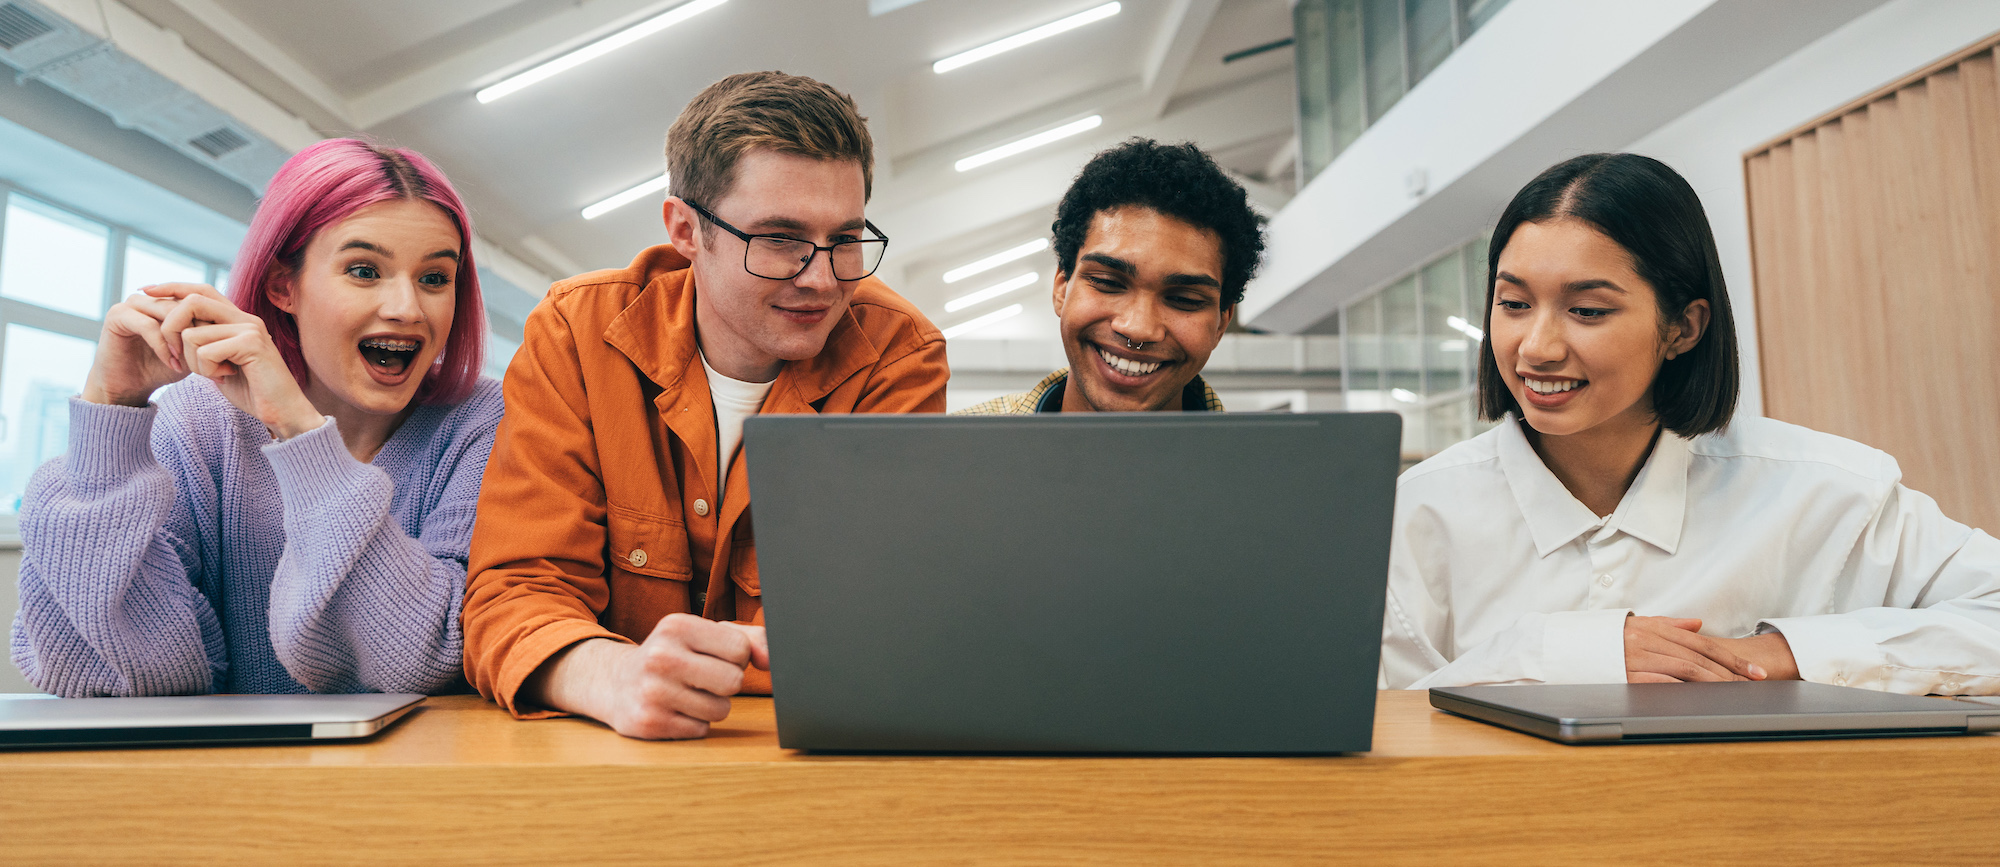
[147, 263]
[1410, 348]
[39, 372]
[52, 258]
[1356, 59]
[59, 272]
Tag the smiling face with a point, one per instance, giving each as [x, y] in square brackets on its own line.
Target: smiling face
[373, 297]
[1576, 333]
[1147, 278]
[749, 325]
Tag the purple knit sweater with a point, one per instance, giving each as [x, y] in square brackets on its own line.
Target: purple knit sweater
[176, 549]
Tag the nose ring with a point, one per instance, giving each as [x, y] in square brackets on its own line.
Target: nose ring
[1135, 345]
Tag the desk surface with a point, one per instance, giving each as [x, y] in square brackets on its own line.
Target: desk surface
[461, 775]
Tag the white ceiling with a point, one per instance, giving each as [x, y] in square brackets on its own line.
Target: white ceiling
[405, 72]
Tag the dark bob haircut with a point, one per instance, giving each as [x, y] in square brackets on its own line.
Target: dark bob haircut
[1179, 181]
[1651, 212]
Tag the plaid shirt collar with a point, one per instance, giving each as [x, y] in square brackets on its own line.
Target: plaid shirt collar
[1047, 396]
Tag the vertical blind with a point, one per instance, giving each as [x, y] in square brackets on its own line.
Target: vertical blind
[1875, 238]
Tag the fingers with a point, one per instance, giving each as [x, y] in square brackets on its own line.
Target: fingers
[667, 687]
[177, 291]
[1676, 668]
[194, 309]
[135, 320]
[1659, 645]
[220, 350]
[760, 649]
[725, 641]
[1715, 653]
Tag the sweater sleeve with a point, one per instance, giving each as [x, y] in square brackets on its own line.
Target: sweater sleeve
[109, 545]
[357, 605]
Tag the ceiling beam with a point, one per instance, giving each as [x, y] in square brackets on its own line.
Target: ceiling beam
[223, 25]
[1174, 49]
[489, 62]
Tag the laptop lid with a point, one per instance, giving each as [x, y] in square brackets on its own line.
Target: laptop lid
[1081, 583]
[1737, 710]
[41, 721]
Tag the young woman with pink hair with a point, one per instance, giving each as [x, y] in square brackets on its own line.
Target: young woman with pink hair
[294, 516]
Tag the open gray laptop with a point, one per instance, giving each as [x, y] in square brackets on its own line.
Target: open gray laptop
[1740, 710]
[40, 721]
[1146, 583]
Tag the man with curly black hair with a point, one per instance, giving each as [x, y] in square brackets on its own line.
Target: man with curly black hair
[1153, 245]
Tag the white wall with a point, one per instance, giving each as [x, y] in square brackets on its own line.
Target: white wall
[1706, 145]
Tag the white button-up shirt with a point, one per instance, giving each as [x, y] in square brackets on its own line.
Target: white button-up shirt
[1497, 574]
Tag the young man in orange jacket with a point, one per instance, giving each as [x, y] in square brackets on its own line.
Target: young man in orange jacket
[613, 571]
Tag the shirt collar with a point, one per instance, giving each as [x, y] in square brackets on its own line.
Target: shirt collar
[1652, 511]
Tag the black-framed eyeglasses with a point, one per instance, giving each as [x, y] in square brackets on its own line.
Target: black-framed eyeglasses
[776, 257]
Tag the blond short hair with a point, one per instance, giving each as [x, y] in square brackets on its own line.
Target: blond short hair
[789, 114]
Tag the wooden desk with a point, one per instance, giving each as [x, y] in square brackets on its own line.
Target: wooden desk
[460, 781]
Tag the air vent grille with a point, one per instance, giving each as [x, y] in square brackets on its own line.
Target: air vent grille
[18, 25]
[219, 141]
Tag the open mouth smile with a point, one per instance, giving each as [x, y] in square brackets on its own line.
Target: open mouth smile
[1549, 393]
[1129, 370]
[389, 358]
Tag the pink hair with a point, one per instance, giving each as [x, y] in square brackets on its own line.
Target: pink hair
[324, 184]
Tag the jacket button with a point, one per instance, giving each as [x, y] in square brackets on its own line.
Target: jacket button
[637, 558]
[701, 508]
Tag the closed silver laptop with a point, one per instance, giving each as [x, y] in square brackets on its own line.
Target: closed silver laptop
[1736, 710]
[1146, 583]
[41, 721]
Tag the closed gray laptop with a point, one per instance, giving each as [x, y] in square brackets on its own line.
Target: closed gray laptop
[1147, 583]
[1737, 710]
[40, 721]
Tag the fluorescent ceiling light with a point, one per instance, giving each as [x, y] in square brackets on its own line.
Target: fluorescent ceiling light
[1466, 328]
[991, 292]
[1025, 37]
[625, 198]
[996, 260]
[598, 49]
[1403, 394]
[1030, 143]
[970, 325]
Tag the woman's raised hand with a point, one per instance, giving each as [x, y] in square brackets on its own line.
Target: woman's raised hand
[203, 333]
[132, 359]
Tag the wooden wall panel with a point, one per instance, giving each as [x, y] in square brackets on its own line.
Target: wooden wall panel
[1875, 236]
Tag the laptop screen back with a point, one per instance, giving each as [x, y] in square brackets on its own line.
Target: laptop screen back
[1137, 583]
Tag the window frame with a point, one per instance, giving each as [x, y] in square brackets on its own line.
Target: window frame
[14, 311]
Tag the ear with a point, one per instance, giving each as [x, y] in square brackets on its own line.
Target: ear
[281, 286]
[1689, 330]
[1228, 316]
[683, 227]
[1061, 294]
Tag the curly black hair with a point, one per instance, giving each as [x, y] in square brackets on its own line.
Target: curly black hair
[1180, 181]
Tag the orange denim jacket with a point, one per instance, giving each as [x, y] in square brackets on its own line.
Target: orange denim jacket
[597, 516]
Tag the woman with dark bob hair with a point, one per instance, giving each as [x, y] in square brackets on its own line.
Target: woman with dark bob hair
[291, 511]
[1618, 525]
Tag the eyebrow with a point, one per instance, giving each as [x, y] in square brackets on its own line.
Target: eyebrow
[1577, 286]
[1128, 269]
[790, 225]
[377, 248]
[1113, 262]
